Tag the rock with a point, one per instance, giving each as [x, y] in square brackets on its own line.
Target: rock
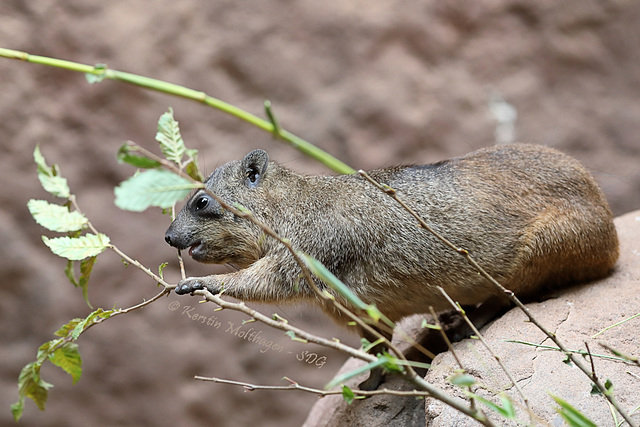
[574, 315]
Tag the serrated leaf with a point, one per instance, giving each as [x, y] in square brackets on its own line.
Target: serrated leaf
[55, 217]
[55, 185]
[68, 358]
[125, 155]
[38, 158]
[32, 386]
[78, 248]
[49, 177]
[67, 328]
[168, 136]
[155, 187]
[83, 324]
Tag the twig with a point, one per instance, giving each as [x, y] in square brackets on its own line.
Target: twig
[296, 386]
[491, 352]
[580, 352]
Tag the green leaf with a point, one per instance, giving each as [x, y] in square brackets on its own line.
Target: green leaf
[55, 217]
[125, 155]
[192, 167]
[95, 317]
[49, 177]
[17, 409]
[78, 248]
[380, 361]
[192, 170]
[38, 158]
[506, 410]
[348, 395]
[320, 271]
[67, 328]
[86, 266]
[68, 358]
[168, 136]
[462, 380]
[571, 415]
[32, 386]
[55, 185]
[155, 187]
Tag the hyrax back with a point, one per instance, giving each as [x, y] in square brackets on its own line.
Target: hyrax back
[530, 215]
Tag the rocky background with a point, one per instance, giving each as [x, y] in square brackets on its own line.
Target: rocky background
[375, 83]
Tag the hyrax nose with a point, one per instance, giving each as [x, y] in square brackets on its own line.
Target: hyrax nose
[168, 238]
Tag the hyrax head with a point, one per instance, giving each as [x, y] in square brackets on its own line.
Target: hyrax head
[213, 234]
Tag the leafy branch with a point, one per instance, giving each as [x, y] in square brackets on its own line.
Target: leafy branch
[98, 73]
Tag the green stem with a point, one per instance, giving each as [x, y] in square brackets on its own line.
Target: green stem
[103, 72]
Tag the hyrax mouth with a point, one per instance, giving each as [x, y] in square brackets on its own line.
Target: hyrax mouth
[195, 248]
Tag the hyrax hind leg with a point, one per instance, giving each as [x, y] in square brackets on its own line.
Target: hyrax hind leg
[566, 245]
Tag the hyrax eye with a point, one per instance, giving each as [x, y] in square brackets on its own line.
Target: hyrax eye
[202, 202]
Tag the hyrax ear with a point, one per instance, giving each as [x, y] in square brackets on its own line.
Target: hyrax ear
[254, 166]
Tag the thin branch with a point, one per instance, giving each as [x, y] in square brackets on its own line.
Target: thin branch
[104, 72]
[296, 386]
[491, 352]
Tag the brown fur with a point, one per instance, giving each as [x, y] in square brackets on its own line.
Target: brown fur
[530, 215]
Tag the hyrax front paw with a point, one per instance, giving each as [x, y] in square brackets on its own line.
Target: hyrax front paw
[188, 286]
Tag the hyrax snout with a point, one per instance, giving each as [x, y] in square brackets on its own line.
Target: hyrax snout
[530, 215]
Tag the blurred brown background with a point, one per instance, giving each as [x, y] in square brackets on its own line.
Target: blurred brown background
[374, 83]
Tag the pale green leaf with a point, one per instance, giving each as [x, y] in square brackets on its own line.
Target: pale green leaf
[49, 177]
[55, 185]
[68, 358]
[462, 380]
[571, 415]
[55, 217]
[155, 187]
[340, 379]
[78, 248]
[168, 136]
[38, 158]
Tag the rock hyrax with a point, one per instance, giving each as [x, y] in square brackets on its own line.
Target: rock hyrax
[530, 215]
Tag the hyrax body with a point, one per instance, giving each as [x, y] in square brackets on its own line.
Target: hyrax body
[530, 215]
